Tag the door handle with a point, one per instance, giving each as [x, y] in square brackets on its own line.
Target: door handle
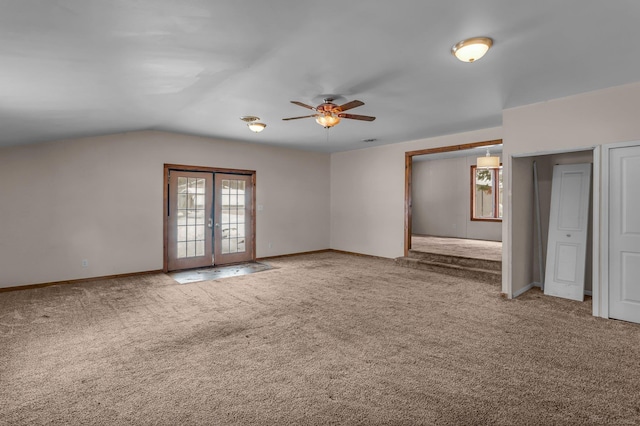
[217, 225]
[210, 222]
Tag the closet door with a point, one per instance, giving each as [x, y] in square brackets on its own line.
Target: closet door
[624, 233]
[568, 222]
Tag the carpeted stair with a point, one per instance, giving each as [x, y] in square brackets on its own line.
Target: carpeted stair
[489, 271]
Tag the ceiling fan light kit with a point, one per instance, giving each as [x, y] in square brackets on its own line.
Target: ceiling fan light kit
[472, 49]
[330, 114]
[253, 123]
[327, 120]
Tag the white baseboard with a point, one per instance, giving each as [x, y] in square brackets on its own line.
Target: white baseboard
[523, 290]
[536, 284]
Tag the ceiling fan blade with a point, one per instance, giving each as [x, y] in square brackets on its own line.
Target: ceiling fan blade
[357, 117]
[303, 105]
[350, 105]
[304, 116]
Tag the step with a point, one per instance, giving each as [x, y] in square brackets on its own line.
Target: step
[477, 274]
[469, 262]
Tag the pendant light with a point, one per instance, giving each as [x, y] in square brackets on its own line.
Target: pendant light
[488, 162]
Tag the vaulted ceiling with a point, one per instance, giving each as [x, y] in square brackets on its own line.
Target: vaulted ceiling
[74, 68]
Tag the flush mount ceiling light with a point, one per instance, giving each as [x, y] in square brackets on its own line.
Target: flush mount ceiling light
[471, 49]
[256, 127]
[253, 124]
[488, 162]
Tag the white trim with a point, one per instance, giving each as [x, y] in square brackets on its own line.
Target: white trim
[603, 300]
[506, 230]
[604, 229]
[596, 279]
[525, 289]
[553, 152]
[538, 285]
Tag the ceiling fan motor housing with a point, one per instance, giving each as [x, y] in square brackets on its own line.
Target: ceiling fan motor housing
[328, 107]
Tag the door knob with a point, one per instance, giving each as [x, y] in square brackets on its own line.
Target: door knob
[210, 222]
[217, 225]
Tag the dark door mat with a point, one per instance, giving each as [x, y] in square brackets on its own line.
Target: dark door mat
[217, 272]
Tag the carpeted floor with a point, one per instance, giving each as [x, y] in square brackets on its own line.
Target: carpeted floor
[320, 339]
[476, 249]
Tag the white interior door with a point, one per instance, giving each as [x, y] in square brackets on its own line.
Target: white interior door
[568, 221]
[624, 233]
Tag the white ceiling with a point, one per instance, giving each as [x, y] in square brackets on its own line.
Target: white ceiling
[73, 68]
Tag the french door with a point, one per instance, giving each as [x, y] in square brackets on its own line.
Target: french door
[190, 222]
[233, 227]
[195, 201]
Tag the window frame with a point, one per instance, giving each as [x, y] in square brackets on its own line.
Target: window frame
[496, 196]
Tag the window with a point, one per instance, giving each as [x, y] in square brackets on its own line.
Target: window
[486, 194]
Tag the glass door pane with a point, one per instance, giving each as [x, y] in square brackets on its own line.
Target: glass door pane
[190, 207]
[233, 236]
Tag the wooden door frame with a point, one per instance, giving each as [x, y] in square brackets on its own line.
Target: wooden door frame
[408, 165]
[213, 170]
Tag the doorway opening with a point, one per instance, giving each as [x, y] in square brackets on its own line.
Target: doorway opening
[441, 211]
[529, 236]
[209, 217]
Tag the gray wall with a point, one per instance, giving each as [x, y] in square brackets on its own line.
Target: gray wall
[441, 191]
[101, 199]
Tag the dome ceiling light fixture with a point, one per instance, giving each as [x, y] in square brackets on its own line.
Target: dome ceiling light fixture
[253, 123]
[471, 49]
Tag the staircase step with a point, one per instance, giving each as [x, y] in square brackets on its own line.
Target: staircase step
[468, 262]
[478, 274]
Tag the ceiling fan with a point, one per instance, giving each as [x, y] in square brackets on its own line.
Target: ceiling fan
[329, 114]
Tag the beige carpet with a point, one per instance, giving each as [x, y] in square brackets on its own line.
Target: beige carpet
[476, 249]
[323, 339]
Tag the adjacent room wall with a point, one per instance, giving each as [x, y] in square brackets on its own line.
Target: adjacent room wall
[100, 199]
[441, 197]
[367, 193]
[578, 122]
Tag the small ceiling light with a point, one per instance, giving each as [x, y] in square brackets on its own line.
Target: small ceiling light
[256, 127]
[471, 49]
[488, 162]
[327, 120]
[253, 124]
